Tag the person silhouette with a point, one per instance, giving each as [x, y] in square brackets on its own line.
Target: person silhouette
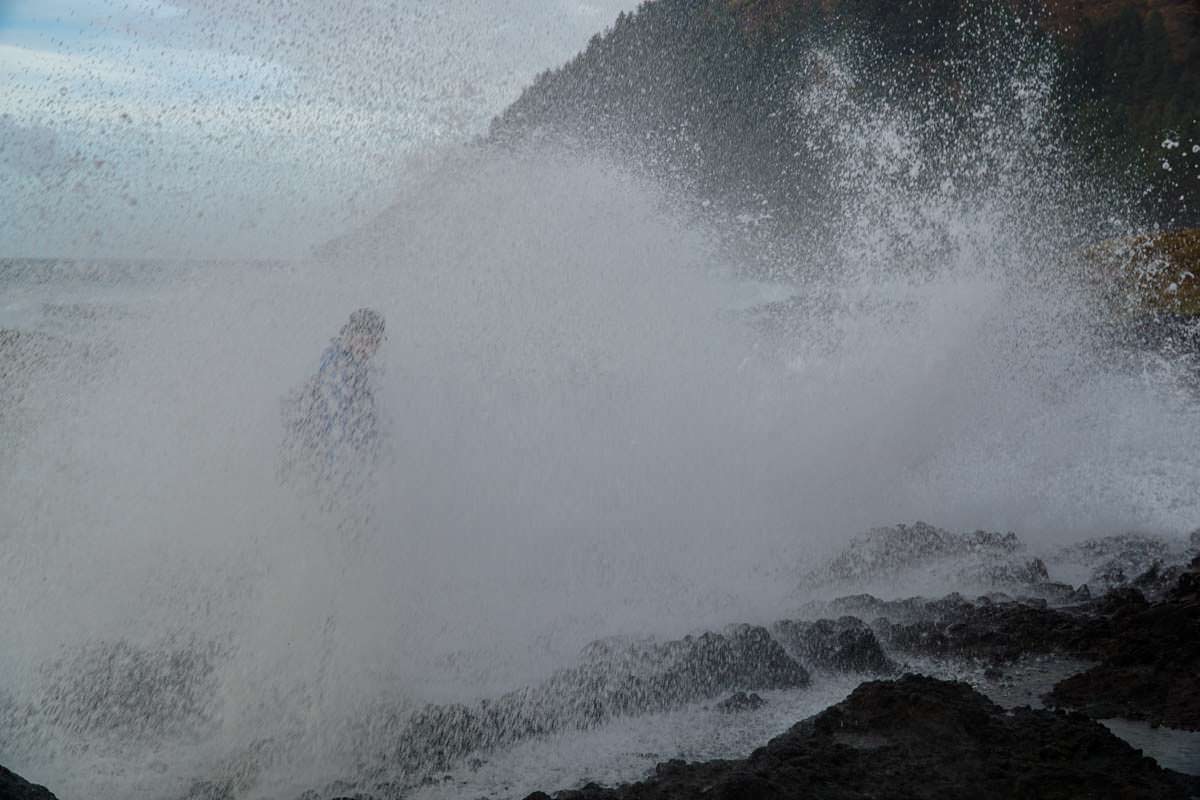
[331, 426]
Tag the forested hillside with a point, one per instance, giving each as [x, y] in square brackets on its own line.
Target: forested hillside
[701, 90]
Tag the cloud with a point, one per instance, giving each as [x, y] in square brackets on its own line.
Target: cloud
[208, 113]
[37, 66]
[38, 13]
[370, 51]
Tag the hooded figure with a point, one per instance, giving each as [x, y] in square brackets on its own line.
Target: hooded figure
[331, 429]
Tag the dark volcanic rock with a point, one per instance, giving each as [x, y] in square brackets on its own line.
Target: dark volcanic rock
[1158, 581]
[14, 787]
[1005, 631]
[694, 668]
[1151, 666]
[844, 645]
[748, 657]
[895, 554]
[401, 749]
[1061, 593]
[740, 701]
[921, 738]
[1149, 652]
[992, 632]
[885, 550]
[617, 679]
[1116, 560]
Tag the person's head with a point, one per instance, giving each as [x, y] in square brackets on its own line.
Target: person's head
[364, 332]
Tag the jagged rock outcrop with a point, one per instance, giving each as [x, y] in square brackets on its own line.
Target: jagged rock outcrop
[14, 787]
[1151, 663]
[844, 645]
[1116, 560]
[740, 701]
[977, 558]
[1148, 652]
[999, 632]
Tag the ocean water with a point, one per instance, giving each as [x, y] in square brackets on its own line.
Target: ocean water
[600, 420]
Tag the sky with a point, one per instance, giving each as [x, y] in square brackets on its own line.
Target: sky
[246, 128]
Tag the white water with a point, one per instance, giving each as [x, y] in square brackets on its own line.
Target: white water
[587, 437]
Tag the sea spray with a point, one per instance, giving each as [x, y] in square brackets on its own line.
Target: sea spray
[589, 434]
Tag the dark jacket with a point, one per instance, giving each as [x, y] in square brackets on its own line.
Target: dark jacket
[330, 422]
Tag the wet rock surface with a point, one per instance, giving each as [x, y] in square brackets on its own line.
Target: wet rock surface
[1001, 631]
[1026, 753]
[616, 679]
[1148, 652]
[14, 787]
[920, 737]
[1150, 669]
[740, 701]
[986, 557]
[1115, 561]
[844, 645]
[1142, 618]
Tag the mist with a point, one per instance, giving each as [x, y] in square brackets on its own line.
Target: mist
[602, 418]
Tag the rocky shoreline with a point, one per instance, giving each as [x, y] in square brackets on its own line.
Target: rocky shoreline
[920, 737]
[898, 734]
